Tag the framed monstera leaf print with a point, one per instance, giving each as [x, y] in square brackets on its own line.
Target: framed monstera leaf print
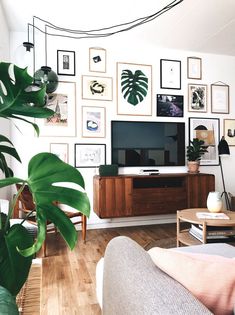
[134, 89]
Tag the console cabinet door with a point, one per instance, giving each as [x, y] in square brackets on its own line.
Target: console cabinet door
[112, 196]
[199, 186]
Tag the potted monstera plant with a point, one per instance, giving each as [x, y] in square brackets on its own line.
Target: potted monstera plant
[195, 150]
[45, 172]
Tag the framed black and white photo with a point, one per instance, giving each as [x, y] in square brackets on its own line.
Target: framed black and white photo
[170, 71]
[170, 105]
[66, 62]
[89, 155]
[97, 59]
[206, 129]
[197, 98]
[194, 68]
[229, 131]
[219, 98]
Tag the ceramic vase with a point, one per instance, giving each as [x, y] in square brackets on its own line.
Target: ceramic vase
[214, 201]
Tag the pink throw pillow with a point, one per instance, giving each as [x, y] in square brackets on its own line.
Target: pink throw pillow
[210, 278]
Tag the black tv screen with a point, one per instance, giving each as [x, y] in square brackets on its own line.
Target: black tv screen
[138, 143]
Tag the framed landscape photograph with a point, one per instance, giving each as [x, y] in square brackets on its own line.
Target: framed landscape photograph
[97, 88]
[229, 131]
[194, 68]
[170, 71]
[93, 122]
[97, 59]
[170, 105]
[89, 155]
[63, 103]
[61, 150]
[220, 98]
[65, 62]
[197, 98]
[134, 89]
[206, 129]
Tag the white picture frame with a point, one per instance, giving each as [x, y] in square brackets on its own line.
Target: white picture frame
[89, 155]
[61, 150]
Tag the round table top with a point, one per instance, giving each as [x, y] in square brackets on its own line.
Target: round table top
[190, 215]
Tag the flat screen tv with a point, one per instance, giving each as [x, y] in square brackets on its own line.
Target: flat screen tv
[138, 143]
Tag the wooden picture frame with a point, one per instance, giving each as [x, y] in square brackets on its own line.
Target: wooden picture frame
[97, 88]
[61, 150]
[89, 155]
[206, 129]
[197, 98]
[220, 98]
[229, 131]
[194, 68]
[170, 74]
[93, 122]
[63, 103]
[66, 62]
[134, 89]
[97, 59]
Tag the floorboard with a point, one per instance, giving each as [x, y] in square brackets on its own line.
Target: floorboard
[68, 279]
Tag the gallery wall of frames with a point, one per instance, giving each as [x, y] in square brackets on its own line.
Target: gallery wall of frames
[100, 82]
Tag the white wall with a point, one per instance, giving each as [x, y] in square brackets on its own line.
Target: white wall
[4, 56]
[127, 47]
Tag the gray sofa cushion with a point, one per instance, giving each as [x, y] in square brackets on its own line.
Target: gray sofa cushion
[133, 285]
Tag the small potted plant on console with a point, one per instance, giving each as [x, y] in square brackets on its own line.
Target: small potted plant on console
[195, 150]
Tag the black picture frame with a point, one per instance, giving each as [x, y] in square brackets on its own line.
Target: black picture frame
[170, 105]
[89, 154]
[66, 62]
[170, 74]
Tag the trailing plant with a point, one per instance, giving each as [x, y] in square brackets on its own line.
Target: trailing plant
[196, 149]
[134, 86]
[46, 174]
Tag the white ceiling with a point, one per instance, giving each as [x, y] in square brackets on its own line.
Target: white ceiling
[196, 25]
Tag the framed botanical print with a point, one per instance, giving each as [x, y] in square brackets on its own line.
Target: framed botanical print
[194, 68]
[93, 122]
[170, 74]
[63, 103]
[89, 155]
[97, 59]
[66, 62]
[97, 88]
[197, 98]
[206, 129]
[229, 131]
[134, 89]
[219, 98]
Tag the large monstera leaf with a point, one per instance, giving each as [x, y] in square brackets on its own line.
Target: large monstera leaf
[17, 98]
[134, 86]
[7, 149]
[48, 179]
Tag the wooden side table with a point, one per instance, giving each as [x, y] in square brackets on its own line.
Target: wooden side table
[189, 215]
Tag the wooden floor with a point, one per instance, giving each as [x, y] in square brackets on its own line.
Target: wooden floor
[68, 281]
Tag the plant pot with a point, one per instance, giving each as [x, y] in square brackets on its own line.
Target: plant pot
[193, 167]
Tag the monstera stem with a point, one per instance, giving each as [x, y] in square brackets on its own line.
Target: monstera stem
[12, 206]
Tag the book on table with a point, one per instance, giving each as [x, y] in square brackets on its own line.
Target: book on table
[212, 232]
